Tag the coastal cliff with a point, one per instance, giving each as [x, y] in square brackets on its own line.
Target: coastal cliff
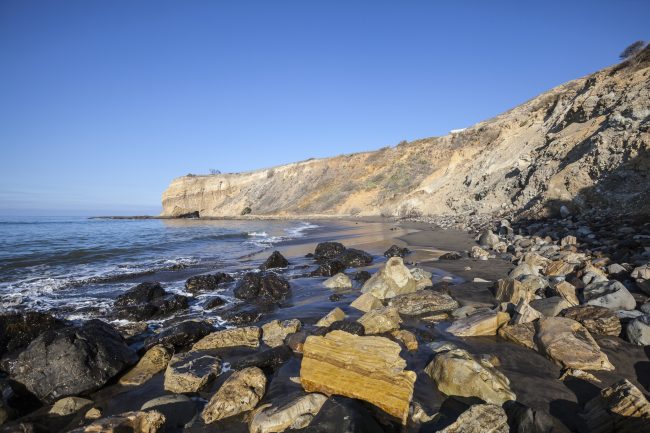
[584, 144]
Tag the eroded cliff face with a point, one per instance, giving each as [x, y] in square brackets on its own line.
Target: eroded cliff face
[584, 144]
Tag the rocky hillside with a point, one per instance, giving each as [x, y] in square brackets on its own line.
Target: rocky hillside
[584, 144]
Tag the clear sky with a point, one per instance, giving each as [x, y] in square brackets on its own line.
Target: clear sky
[103, 102]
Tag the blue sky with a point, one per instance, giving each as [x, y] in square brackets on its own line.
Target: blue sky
[102, 103]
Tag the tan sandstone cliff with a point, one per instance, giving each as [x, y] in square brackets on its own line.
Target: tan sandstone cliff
[585, 144]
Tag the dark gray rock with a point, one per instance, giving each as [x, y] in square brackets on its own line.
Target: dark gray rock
[263, 288]
[181, 335]
[523, 419]
[213, 303]
[72, 360]
[453, 255]
[343, 415]
[143, 293]
[354, 258]
[395, 251]
[275, 260]
[329, 269]
[17, 330]
[148, 301]
[270, 358]
[207, 283]
[350, 326]
[328, 250]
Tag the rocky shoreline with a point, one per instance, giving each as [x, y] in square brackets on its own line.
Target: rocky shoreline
[531, 327]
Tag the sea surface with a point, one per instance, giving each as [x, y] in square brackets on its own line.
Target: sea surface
[76, 266]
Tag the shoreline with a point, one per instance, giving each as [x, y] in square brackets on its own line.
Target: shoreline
[538, 380]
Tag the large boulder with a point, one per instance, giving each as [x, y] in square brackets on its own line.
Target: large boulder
[180, 335]
[480, 418]
[354, 258]
[294, 414]
[72, 360]
[597, 320]
[391, 280]
[275, 260]
[147, 301]
[482, 322]
[207, 283]
[153, 362]
[239, 393]
[423, 302]
[458, 373]
[569, 344]
[610, 294]
[263, 288]
[366, 368]
[17, 330]
[191, 371]
[621, 407]
[328, 250]
[248, 336]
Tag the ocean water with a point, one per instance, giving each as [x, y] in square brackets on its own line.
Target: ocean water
[76, 266]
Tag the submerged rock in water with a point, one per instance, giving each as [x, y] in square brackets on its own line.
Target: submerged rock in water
[248, 336]
[354, 258]
[597, 320]
[275, 260]
[148, 300]
[456, 372]
[480, 418]
[191, 371]
[178, 410]
[483, 322]
[329, 268]
[395, 251]
[391, 280]
[263, 288]
[294, 414]
[569, 344]
[274, 332]
[181, 335]
[72, 360]
[621, 407]
[366, 368]
[132, 422]
[239, 393]
[154, 361]
[207, 283]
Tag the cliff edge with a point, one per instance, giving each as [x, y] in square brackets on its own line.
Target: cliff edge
[584, 144]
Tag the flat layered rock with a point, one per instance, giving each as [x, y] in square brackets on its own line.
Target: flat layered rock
[511, 290]
[550, 307]
[366, 302]
[522, 334]
[457, 372]
[239, 393]
[153, 362]
[566, 291]
[558, 268]
[335, 315]
[248, 336]
[480, 418]
[191, 371]
[132, 422]
[274, 332]
[620, 408]
[597, 320]
[485, 322]
[524, 313]
[381, 320]
[366, 368]
[295, 414]
[391, 280]
[423, 302]
[569, 344]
